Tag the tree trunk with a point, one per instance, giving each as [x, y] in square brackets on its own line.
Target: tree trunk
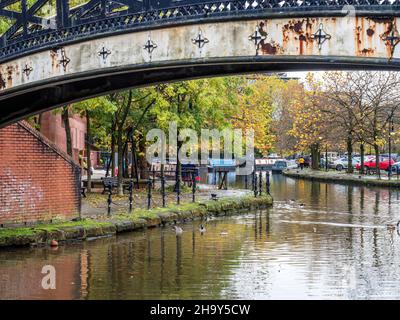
[126, 161]
[178, 170]
[120, 162]
[377, 162]
[108, 166]
[376, 146]
[88, 151]
[350, 168]
[65, 118]
[120, 123]
[362, 153]
[143, 165]
[314, 156]
[112, 154]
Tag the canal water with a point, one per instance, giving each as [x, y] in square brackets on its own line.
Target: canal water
[319, 240]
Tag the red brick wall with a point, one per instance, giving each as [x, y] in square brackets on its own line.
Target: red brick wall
[37, 181]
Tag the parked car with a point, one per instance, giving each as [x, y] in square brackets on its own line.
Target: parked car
[396, 167]
[281, 165]
[342, 163]
[371, 164]
[291, 164]
[394, 156]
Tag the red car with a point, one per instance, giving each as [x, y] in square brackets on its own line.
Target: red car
[371, 164]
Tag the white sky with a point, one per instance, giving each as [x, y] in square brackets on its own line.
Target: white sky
[302, 75]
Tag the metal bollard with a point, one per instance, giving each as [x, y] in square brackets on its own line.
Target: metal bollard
[260, 184]
[130, 196]
[149, 186]
[178, 191]
[163, 190]
[109, 200]
[193, 187]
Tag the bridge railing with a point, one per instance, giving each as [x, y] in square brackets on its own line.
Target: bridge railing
[26, 27]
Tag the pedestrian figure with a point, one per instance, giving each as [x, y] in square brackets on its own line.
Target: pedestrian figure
[301, 163]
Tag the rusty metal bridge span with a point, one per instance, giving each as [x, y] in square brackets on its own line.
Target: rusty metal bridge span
[54, 52]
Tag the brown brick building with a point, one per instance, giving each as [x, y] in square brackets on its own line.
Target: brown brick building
[38, 182]
[52, 127]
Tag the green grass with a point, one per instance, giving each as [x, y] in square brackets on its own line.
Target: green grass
[28, 234]
[31, 231]
[17, 232]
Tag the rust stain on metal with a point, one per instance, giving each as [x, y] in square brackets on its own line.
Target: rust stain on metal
[364, 33]
[271, 47]
[391, 30]
[54, 60]
[297, 27]
[368, 52]
[358, 35]
[17, 71]
[10, 71]
[294, 25]
[370, 34]
[299, 32]
[309, 32]
[2, 82]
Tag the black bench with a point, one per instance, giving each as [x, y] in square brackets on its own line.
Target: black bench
[109, 183]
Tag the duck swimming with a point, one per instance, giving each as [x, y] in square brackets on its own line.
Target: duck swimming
[202, 229]
[178, 230]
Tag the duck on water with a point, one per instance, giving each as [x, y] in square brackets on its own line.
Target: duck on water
[178, 230]
[202, 229]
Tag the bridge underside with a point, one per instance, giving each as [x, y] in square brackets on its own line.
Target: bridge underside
[40, 80]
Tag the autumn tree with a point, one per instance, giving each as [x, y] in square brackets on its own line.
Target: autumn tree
[344, 95]
[255, 107]
[197, 104]
[283, 117]
[310, 126]
[381, 104]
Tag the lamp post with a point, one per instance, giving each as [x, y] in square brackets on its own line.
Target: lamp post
[326, 157]
[326, 152]
[391, 132]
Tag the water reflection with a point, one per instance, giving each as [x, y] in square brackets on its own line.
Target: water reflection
[318, 241]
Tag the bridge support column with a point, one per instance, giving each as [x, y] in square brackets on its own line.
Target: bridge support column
[62, 13]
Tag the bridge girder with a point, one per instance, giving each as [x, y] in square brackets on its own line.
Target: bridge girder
[55, 67]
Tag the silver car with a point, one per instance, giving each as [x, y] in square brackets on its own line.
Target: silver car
[342, 163]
